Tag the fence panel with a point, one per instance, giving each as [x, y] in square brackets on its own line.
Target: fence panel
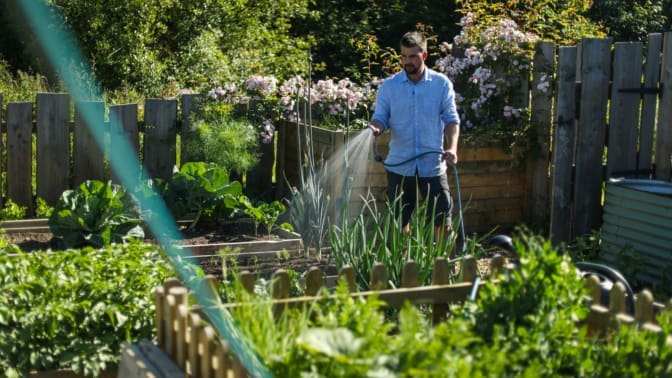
[595, 74]
[53, 146]
[189, 104]
[19, 153]
[664, 133]
[160, 137]
[88, 157]
[563, 146]
[541, 110]
[649, 102]
[123, 126]
[624, 108]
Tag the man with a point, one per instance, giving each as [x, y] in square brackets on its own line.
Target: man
[417, 105]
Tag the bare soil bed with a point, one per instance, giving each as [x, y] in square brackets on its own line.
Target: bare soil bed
[262, 263]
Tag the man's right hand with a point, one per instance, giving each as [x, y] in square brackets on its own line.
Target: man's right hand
[376, 131]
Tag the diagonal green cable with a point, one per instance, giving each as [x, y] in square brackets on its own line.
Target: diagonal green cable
[61, 51]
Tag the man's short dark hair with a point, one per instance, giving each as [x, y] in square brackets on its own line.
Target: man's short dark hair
[414, 39]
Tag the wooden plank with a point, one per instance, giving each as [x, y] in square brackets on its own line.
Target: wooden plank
[189, 109]
[541, 116]
[259, 180]
[649, 102]
[624, 108]
[595, 71]
[563, 146]
[664, 134]
[53, 146]
[20, 153]
[123, 129]
[88, 157]
[2, 148]
[160, 137]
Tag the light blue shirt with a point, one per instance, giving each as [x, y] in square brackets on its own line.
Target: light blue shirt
[416, 114]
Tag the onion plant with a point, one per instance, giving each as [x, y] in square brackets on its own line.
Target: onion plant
[375, 235]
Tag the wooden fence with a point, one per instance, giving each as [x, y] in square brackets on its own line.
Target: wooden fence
[188, 346]
[613, 117]
[611, 102]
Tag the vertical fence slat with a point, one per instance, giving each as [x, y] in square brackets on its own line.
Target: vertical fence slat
[53, 146]
[314, 281]
[160, 137]
[88, 158]
[20, 153]
[189, 107]
[595, 74]
[649, 102]
[440, 276]
[541, 113]
[563, 146]
[624, 108]
[1, 148]
[410, 276]
[664, 134]
[123, 126]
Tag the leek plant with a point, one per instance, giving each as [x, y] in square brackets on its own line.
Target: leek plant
[375, 235]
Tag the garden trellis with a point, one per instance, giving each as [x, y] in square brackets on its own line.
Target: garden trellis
[622, 106]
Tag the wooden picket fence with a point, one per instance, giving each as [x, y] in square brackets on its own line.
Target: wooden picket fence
[605, 98]
[188, 346]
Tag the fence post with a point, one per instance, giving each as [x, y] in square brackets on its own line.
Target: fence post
[649, 102]
[595, 74]
[124, 126]
[314, 281]
[348, 273]
[563, 146]
[541, 115]
[20, 153]
[624, 108]
[440, 276]
[378, 277]
[88, 157]
[160, 137]
[664, 135]
[53, 146]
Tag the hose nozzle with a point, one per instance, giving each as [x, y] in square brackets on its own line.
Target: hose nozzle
[378, 158]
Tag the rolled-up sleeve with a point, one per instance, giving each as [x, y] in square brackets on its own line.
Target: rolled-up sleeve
[449, 112]
[382, 108]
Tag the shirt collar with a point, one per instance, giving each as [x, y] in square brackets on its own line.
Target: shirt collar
[425, 76]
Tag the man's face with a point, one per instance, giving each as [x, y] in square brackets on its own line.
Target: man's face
[413, 59]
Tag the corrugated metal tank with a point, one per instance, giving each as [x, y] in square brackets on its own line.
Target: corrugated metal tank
[638, 217]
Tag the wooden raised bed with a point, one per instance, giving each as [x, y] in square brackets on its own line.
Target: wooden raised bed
[495, 188]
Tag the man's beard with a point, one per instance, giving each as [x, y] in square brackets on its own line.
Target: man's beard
[411, 69]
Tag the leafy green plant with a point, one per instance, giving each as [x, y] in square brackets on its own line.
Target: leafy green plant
[74, 309]
[12, 211]
[97, 214]
[262, 213]
[200, 189]
[43, 209]
[219, 137]
[526, 324]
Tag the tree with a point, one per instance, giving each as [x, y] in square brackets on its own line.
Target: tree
[627, 20]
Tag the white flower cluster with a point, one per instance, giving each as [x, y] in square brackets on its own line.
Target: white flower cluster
[477, 82]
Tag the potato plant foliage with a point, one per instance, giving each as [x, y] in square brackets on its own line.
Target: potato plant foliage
[73, 309]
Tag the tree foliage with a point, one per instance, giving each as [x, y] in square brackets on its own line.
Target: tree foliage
[560, 21]
[157, 47]
[627, 20]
